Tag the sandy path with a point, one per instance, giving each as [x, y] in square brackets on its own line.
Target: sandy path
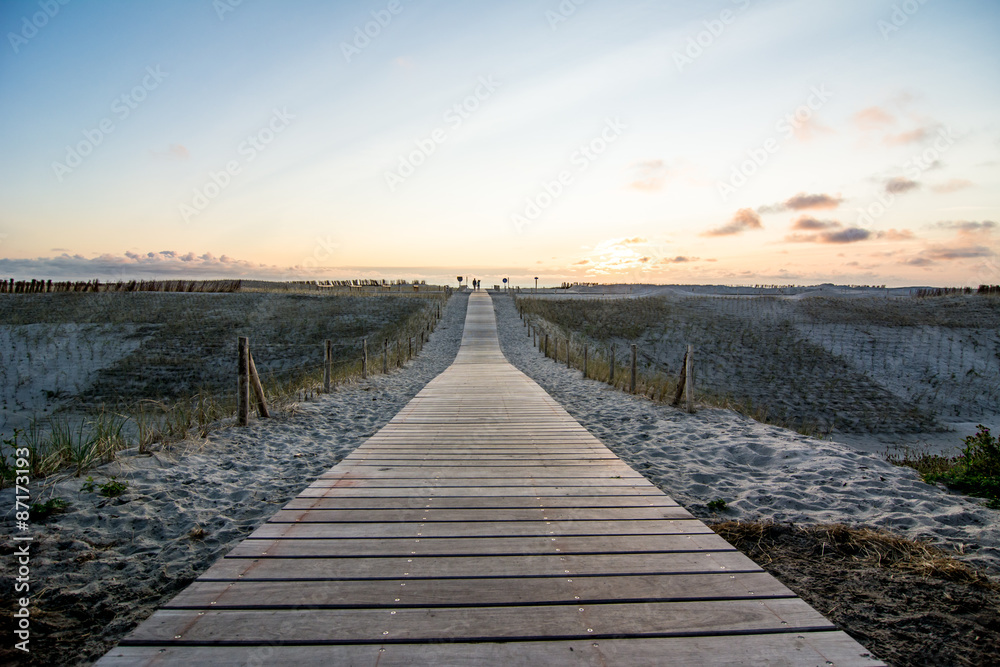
[761, 471]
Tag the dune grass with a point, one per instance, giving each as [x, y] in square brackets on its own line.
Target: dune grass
[975, 472]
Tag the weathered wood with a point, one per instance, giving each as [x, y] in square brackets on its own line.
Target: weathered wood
[364, 358]
[631, 384]
[611, 373]
[682, 380]
[585, 360]
[327, 365]
[385, 356]
[258, 389]
[689, 374]
[243, 384]
[786, 649]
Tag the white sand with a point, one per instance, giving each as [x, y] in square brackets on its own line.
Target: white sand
[761, 471]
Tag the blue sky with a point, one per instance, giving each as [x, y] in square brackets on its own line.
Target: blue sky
[582, 141]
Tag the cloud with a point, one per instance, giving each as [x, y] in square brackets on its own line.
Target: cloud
[967, 226]
[896, 235]
[946, 252]
[916, 136]
[635, 240]
[680, 259]
[954, 185]
[849, 235]
[405, 62]
[809, 129]
[581, 262]
[900, 185]
[174, 152]
[651, 176]
[873, 118]
[745, 219]
[802, 202]
[165, 264]
[810, 223]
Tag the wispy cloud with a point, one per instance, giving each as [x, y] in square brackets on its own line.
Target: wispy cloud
[803, 202]
[967, 226]
[900, 185]
[849, 235]
[174, 152]
[954, 185]
[650, 176]
[810, 223]
[873, 118]
[744, 220]
[162, 264]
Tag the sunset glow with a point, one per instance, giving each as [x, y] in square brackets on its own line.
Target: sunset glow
[724, 141]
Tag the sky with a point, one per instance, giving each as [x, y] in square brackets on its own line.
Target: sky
[716, 141]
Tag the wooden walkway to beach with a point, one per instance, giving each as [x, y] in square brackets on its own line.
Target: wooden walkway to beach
[485, 526]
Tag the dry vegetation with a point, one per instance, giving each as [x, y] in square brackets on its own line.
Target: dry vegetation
[862, 365]
[87, 374]
[905, 601]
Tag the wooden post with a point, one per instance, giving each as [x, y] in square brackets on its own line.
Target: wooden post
[243, 390]
[567, 353]
[682, 380]
[409, 354]
[611, 379]
[584, 360]
[399, 354]
[689, 385]
[631, 384]
[258, 390]
[364, 358]
[546, 345]
[327, 365]
[385, 356]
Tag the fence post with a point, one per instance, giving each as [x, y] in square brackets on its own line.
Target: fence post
[584, 360]
[611, 378]
[682, 380]
[632, 381]
[409, 354]
[327, 362]
[243, 390]
[689, 385]
[399, 354]
[546, 345]
[568, 346]
[385, 356]
[364, 358]
[258, 390]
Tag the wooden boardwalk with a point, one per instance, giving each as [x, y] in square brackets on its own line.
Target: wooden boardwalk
[485, 526]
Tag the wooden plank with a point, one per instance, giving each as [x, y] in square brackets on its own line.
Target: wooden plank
[481, 529]
[499, 492]
[493, 546]
[776, 650]
[593, 621]
[417, 515]
[490, 502]
[382, 593]
[478, 566]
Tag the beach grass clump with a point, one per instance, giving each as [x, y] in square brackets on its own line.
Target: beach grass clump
[112, 488]
[41, 512]
[869, 546]
[976, 471]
